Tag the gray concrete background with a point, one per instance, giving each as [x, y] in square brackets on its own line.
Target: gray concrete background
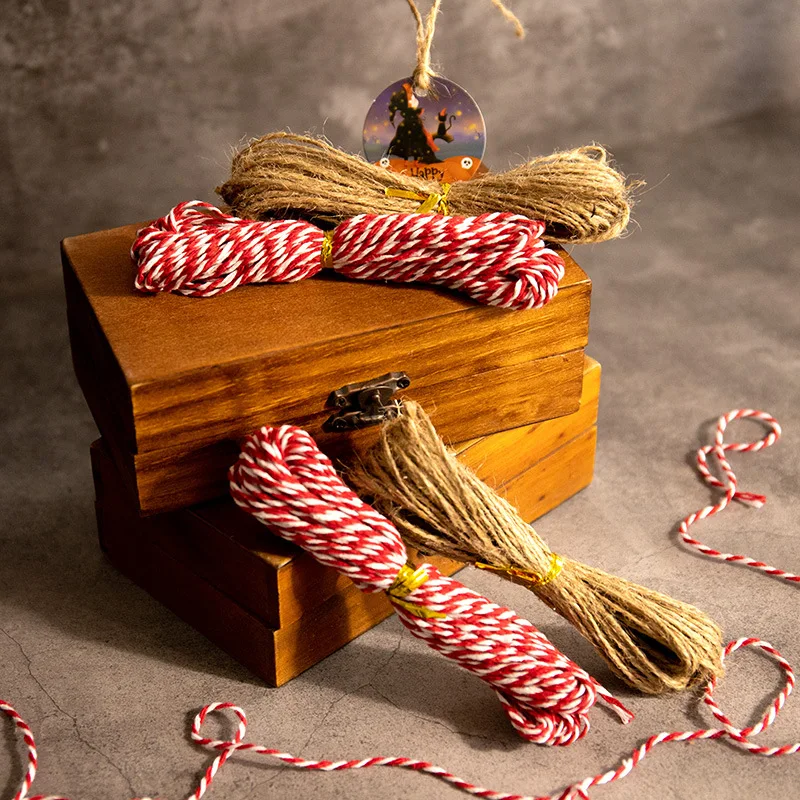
[115, 111]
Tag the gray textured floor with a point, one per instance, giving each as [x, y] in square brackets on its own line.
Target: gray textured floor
[696, 313]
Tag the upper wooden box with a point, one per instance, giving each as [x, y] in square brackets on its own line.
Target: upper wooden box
[173, 382]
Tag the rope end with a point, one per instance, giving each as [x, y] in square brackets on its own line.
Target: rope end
[625, 715]
[750, 499]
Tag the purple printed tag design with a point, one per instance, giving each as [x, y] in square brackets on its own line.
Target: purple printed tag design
[440, 136]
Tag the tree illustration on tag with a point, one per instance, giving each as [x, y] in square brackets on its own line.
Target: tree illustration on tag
[439, 136]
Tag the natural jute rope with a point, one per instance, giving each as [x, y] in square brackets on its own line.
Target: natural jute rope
[653, 642]
[423, 72]
[578, 194]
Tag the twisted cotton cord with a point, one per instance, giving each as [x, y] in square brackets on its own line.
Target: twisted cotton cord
[30, 744]
[731, 486]
[497, 259]
[284, 480]
[578, 194]
[740, 737]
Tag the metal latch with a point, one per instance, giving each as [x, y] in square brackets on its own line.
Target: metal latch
[367, 403]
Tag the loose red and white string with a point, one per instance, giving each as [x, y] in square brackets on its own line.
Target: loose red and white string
[731, 486]
[497, 259]
[740, 737]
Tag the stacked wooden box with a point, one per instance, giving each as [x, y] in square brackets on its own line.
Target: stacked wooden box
[174, 382]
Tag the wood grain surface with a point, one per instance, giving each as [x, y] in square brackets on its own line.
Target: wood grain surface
[502, 456]
[268, 603]
[173, 381]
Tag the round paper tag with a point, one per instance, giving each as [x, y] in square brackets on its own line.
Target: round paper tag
[440, 136]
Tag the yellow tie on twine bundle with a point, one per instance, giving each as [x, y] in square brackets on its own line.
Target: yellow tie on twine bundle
[435, 202]
[526, 576]
[406, 581]
[654, 642]
[327, 250]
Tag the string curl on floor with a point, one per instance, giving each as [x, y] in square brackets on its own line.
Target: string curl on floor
[739, 737]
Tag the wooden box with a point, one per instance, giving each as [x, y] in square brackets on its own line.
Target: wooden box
[269, 604]
[173, 382]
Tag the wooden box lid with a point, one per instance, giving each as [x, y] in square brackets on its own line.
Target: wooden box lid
[174, 381]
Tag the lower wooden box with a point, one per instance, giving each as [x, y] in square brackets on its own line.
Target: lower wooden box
[269, 604]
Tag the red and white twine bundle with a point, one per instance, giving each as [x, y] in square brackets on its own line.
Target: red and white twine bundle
[283, 480]
[497, 259]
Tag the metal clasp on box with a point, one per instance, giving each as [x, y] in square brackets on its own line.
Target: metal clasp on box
[367, 403]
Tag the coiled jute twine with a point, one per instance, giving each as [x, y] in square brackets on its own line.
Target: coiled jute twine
[653, 642]
[578, 194]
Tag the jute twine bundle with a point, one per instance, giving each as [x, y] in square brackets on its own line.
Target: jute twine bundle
[653, 642]
[578, 194]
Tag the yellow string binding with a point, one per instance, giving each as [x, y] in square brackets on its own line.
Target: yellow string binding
[526, 576]
[327, 250]
[406, 581]
[436, 202]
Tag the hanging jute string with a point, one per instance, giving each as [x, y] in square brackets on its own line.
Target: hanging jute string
[423, 72]
[653, 642]
[577, 193]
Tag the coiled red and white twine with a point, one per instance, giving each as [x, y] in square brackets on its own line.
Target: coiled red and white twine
[287, 483]
[271, 458]
[497, 259]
